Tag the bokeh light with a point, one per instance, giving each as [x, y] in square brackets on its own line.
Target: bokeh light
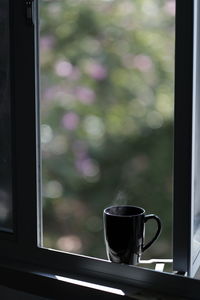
[106, 117]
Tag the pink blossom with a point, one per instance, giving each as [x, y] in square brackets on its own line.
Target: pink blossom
[63, 68]
[96, 70]
[56, 92]
[70, 121]
[88, 167]
[80, 149]
[142, 62]
[47, 42]
[85, 95]
[170, 7]
[50, 92]
[75, 74]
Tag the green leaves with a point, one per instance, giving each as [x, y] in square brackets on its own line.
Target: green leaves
[107, 113]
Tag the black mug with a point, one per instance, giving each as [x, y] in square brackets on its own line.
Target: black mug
[124, 230]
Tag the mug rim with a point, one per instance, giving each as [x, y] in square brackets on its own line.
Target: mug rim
[123, 216]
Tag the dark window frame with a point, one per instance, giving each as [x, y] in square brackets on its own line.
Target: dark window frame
[21, 247]
[186, 134]
[183, 134]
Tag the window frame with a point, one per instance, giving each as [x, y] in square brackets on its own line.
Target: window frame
[185, 133]
[22, 246]
[195, 257]
[5, 231]
[183, 140]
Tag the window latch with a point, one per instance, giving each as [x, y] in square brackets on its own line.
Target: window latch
[29, 11]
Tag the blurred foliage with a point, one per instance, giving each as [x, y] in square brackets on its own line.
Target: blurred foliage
[107, 117]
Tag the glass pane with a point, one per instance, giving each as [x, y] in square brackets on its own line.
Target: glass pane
[196, 186]
[196, 143]
[106, 117]
[5, 122]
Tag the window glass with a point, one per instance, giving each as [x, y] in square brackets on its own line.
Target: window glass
[5, 122]
[106, 117]
[196, 143]
[196, 186]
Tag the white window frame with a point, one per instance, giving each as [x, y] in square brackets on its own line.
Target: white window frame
[21, 247]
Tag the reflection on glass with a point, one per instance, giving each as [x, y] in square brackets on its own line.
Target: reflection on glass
[196, 164]
[106, 117]
[196, 187]
[5, 120]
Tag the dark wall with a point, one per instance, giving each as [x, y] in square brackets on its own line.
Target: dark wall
[9, 294]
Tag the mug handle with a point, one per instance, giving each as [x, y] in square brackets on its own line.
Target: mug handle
[146, 218]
